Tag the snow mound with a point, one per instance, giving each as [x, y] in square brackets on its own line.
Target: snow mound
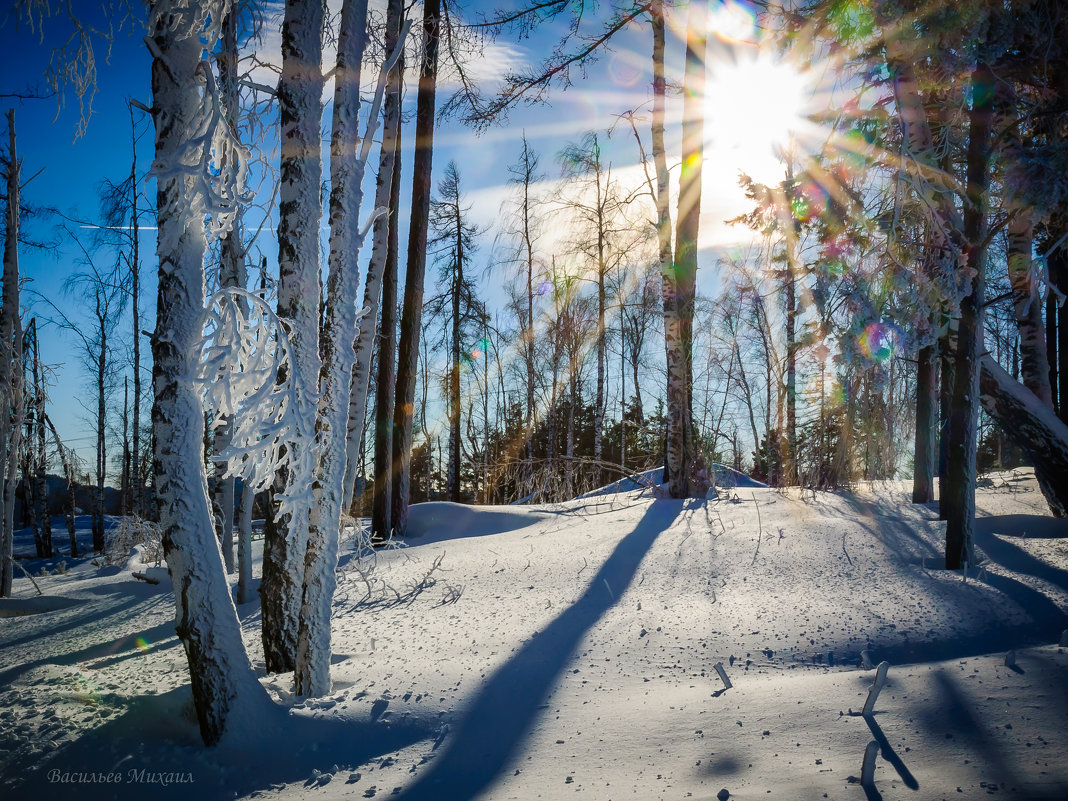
[441, 520]
[722, 476]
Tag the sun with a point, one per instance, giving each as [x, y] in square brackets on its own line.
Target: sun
[755, 106]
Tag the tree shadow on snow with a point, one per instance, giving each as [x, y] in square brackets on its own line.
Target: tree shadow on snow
[157, 738]
[1027, 526]
[105, 653]
[954, 710]
[494, 726]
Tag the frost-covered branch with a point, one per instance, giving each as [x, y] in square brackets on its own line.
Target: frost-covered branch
[247, 373]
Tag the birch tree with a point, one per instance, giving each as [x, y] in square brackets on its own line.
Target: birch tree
[300, 111]
[347, 167]
[680, 278]
[415, 271]
[225, 690]
[366, 337]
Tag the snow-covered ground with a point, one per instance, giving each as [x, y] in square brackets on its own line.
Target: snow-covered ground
[570, 649]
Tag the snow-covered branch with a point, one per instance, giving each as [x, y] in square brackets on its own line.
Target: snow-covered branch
[246, 374]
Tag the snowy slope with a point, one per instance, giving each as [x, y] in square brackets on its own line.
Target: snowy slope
[567, 649]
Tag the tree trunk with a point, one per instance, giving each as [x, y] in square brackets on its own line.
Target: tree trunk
[366, 338]
[415, 271]
[663, 215]
[244, 547]
[124, 480]
[528, 164]
[40, 461]
[136, 489]
[926, 423]
[1032, 425]
[382, 499]
[232, 273]
[1051, 350]
[681, 283]
[453, 478]
[68, 473]
[300, 110]
[101, 425]
[11, 377]
[225, 690]
[347, 168]
[602, 270]
[964, 407]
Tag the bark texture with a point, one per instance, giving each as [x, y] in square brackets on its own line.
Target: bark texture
[366, 338]
[415, 270]
[224, 686]
[300, 108]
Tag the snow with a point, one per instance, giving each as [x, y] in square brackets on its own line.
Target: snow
[571, 648]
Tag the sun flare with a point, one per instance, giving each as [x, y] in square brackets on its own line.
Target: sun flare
[754, 105]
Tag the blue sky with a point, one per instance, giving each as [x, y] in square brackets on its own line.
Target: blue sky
[75, 167]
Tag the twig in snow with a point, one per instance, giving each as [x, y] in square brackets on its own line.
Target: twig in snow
[722, 675]
[876, 688]
[584, 566]
[27, 575]
[453, 593]
[867, 770]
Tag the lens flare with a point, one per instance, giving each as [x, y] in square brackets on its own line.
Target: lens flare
[545, 287]
[623, 69]
[839, 394]
[877, 342]
[733, 22]
[143, 645]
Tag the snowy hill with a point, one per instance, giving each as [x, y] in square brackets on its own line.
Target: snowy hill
[722, 476]
[538, 652]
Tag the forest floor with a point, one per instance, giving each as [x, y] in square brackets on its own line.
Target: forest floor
[569, 651]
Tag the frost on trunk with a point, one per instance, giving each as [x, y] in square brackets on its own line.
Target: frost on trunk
[225, 690]
[232, 273]
[372, 294]
[300, 91]
[1032, 425]
[680, 278]
[312, 673]
[11, 375]
[415, 273]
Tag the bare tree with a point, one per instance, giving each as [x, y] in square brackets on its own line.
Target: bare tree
[11, 373]
[458, 304]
